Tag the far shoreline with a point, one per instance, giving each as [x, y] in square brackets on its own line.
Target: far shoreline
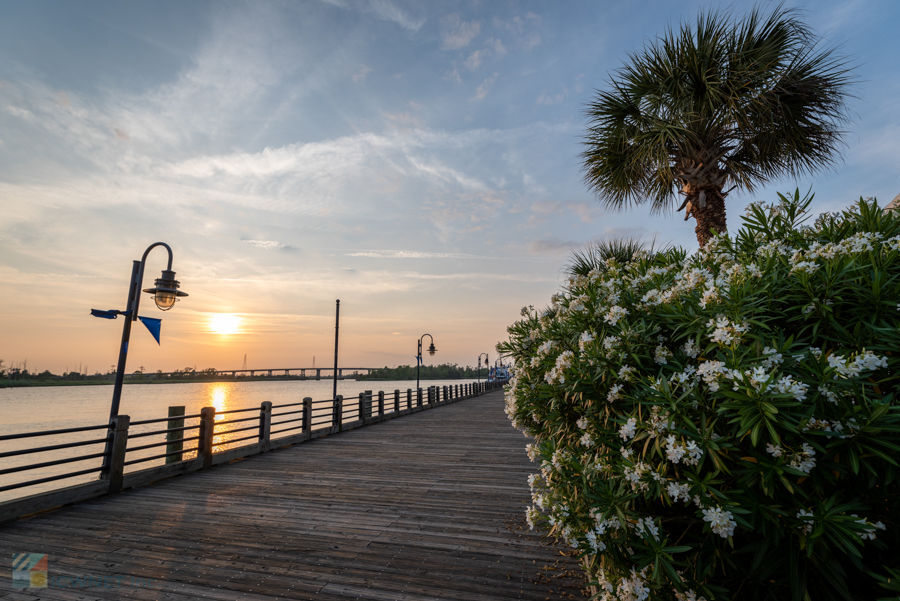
[52, 383]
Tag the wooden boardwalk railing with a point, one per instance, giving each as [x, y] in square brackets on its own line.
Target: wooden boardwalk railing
[212, 441]
[424, 508]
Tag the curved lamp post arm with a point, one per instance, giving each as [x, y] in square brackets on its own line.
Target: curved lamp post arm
[486, 360]
[419, 356]
[140, 276]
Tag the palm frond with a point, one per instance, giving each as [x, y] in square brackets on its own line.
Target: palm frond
[749, 98]
[595, 255]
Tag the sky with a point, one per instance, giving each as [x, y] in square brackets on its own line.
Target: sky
[418, 161]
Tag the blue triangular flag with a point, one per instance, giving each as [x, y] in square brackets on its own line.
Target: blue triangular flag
[153, 325]
[111, 314]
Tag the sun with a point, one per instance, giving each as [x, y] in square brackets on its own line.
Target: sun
[225, 323]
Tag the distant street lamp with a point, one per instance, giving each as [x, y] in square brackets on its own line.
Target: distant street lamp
[431, 351]
[487, 363]
[165, 292]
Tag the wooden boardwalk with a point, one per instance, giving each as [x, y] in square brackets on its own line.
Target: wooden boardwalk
[425, 507]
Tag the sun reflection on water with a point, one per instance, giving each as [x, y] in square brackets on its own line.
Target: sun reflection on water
[218, 397]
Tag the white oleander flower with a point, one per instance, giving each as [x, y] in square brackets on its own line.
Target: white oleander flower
[725, 331]
[689, 595]
[787, 385]
[690, 349]
[626, 373]
[662, 355]
[864, 361]
[807, 518]
[610, 342]
[615, 393]
[646, 526]
[615, 314]
[586, 338]
[804, 460]
[678, 491]
[721, 521]
[773, 358]
[627, 431]
[595, 544]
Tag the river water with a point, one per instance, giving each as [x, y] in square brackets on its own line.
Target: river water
[57, 407]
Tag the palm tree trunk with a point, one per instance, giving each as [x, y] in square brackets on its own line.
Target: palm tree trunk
[709, 211]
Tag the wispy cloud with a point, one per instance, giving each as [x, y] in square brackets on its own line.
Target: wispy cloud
[546, 100]
[458, 33]
[384, 10]
[552, 245]
[361, 72]
[542, 209]
[268, 244]
[482, 90]
[474, 60]
[411, 254]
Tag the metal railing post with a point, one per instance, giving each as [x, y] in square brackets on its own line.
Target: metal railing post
[338, 418]
[362, 407]
[396, 401]
[207, 432]
[265, 424]
[175, 438]
[380, 403]
[119, 430]
[369, 399]
[409, 398]
[418, 397]
[307, 415]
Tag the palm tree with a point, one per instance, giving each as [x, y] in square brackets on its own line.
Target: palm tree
[724, 103]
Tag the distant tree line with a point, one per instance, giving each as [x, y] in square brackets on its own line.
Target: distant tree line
[444, 371]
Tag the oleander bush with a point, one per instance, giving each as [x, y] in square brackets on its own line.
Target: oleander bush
[722, 425]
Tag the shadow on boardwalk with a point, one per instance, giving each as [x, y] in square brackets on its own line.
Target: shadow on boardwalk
[424, 507]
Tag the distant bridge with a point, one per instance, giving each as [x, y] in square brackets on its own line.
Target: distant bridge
[268, 372]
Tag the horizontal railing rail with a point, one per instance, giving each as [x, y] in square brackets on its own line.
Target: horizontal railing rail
[212, 442]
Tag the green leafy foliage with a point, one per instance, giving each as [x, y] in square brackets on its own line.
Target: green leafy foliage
[723, 425]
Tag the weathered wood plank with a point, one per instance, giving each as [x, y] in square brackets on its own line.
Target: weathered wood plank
[411, 509]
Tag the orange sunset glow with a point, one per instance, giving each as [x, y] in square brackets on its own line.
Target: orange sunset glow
[225, 323]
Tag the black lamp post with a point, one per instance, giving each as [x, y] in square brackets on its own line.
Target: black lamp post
[487, 363]
[165, 293]
[431, 351]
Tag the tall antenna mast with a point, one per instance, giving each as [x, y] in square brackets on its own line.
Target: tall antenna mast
[245, 361]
